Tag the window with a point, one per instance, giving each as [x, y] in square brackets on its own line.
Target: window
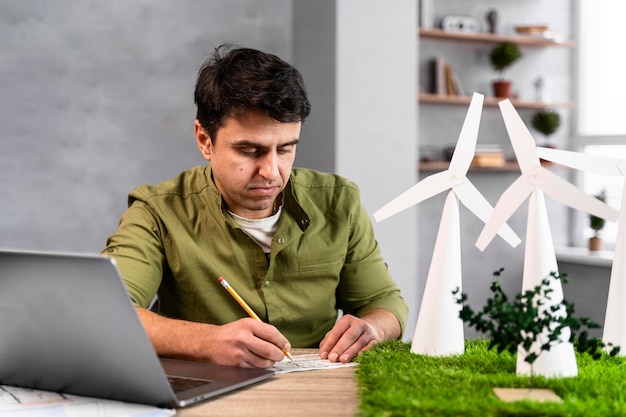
[612, 187]
[601, 115]
[601, 68]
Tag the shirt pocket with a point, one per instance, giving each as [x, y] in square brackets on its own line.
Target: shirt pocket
[326, 265]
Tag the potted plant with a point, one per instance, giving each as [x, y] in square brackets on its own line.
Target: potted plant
[596, 224]
[502, 56]
[546, 122]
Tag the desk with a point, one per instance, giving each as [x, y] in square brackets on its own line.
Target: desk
[325, 392]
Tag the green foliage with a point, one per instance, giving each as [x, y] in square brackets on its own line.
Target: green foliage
[504, 55]
[518, 322]
[529, 318]
[597, 223]
[546, 121]
[393, 382]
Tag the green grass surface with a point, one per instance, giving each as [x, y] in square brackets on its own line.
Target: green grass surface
[392, 381]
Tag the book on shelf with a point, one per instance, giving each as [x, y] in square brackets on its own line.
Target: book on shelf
[446, 81]
[488, 155]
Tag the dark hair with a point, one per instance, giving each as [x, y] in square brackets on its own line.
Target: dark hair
[237, 80]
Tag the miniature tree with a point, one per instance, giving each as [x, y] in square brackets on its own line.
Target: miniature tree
[502, 56]
[546, 122]
[596, 224]
[511, 324]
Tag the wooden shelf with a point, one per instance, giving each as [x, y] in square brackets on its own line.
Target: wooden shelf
[443, 165]
[490, 101]
[509, 166]
[531, 41]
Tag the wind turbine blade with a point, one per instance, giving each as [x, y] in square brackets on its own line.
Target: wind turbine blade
[471, 198]
[466, 145]
[601, 165]
[509, 201]
[426, 188]
[523, 143]
[621, 165]
[570, 195]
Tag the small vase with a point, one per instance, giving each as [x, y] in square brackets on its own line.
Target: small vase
[595, 244]
[502, 88]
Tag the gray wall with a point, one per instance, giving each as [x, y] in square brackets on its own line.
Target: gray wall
[97, 98]
[588, 289]
[359, 60]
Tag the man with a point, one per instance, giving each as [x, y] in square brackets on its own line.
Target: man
[296, 244]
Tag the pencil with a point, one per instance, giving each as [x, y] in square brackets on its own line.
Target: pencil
[246, 307]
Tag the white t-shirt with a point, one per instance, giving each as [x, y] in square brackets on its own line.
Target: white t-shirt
[261, 230]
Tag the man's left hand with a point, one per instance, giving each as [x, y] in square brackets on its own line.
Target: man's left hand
[352, 335]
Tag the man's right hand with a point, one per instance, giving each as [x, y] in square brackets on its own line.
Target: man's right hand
[246, 343]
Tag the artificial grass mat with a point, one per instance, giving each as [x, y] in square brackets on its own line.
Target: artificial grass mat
[392, 381]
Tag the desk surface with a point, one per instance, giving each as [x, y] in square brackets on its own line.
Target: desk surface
[325, 392]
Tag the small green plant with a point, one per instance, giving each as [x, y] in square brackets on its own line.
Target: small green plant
[546, 121]
[597, 223]
[529, 318]
[503, 55]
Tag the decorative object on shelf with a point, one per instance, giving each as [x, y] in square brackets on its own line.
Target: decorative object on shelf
[539, 255]
[426, 14]
[614, 330]
[531, 29]
[492, 20]
[463, 24]
[538, 31]
[596, 224]
[488, 155]
[439, 329]
[502, 56]
[542, 89]
[546, 122]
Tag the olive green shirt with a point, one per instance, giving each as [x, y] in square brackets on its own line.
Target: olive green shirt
[176, 239]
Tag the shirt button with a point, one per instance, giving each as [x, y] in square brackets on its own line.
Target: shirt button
[304, 221]
[267, 283]
[281, 240]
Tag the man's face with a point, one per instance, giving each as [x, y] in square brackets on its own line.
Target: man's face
[251, 159]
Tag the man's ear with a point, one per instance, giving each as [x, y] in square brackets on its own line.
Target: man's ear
[203, 140]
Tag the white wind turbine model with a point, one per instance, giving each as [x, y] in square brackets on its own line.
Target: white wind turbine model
[614, 324]
[539, 256]
[439, 329]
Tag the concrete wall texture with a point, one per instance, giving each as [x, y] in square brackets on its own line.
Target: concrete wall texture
[97, 98]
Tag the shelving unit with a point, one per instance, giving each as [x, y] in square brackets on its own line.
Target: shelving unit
[436, 166]
[453, 100]
[489, 101]
[509, 166]
[523, 40]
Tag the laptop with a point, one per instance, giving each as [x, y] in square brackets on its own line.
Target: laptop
[67, 325]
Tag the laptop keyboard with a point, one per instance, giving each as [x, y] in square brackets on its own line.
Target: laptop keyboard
[180, 384]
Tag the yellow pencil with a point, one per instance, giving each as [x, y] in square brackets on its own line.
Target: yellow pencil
[246, 307]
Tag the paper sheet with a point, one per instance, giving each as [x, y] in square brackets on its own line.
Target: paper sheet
[24, 402]
[306, 362]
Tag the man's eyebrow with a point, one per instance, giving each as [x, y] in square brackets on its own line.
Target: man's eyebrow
[251, 144]
[293, 142]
